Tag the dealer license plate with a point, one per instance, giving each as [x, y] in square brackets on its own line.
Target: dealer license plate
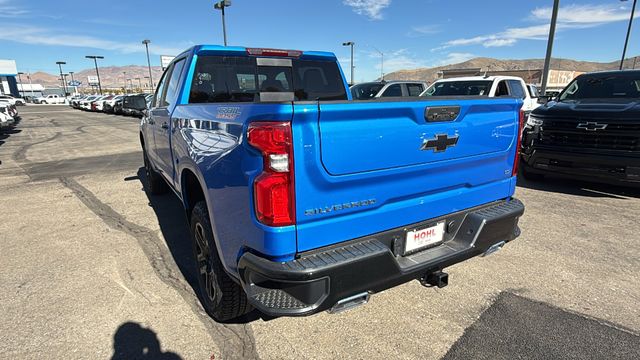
[422, 238]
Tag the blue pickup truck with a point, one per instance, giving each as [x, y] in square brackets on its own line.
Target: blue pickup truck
[301, 200]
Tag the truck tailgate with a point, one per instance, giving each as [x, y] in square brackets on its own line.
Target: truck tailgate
[366, 136]
[366, 167]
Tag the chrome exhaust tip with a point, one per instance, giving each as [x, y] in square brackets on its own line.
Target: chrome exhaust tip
[350, 303]
[493, 248]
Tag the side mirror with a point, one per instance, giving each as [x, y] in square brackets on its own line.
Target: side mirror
[544, 99]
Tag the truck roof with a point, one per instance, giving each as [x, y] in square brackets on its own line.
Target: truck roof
[244, 51]
[612, 72]
[488, 78]
[392, 82]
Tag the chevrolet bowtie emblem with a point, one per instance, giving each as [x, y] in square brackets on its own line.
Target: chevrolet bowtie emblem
[591, 126]
[441, 143]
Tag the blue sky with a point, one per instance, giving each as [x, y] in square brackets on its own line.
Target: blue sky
[410, 33]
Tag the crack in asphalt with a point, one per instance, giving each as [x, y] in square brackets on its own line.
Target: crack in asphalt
[228, 337]
[20, 155]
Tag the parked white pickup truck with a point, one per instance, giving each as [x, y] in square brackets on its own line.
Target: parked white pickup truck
[491, 86]
[50, 99]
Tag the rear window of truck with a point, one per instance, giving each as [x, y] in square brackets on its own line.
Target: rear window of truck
[239, 79]
[459, 88]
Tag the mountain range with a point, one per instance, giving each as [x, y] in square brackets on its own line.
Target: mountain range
[110, 76]
[114, 76]
[489, 64]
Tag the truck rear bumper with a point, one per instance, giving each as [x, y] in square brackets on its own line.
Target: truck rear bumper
[319, 279]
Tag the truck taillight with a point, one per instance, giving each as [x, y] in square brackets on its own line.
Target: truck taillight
[273, 190]
[516, 160]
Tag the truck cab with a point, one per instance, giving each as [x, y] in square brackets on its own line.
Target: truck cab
[301, 199]
[491, 86]
[376, 89]
[51, 99]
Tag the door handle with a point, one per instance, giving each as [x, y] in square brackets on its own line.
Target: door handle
[165, 126]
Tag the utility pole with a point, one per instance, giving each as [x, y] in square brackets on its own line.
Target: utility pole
[95, 61]
[64, 86]
[146, 43]
[626, 41]
[220, 5]
[547, 59]
[381, 62]
[350, 43]
[124, 77]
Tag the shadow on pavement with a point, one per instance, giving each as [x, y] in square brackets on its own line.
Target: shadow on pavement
[517, 327]
[175, 230]
[132, 341]
[579, 188]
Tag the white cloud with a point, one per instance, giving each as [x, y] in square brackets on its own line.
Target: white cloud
[10, 11]
[569, 17]
[399, 60]
[424, 30]
[584, 14]
[369, 8]
[42, 36]
[499, 42]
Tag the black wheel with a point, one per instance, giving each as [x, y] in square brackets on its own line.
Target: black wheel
[155, 182]
[222, 298]
[529, 175]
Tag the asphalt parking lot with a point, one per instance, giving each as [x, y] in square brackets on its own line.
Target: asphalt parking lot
[94, 267]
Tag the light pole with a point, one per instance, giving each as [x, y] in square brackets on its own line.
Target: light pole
[95, 61]
[220, 5]
[547, 59]
[350, 43]
[64, 86]
[64, 76]
[146, 43]
[73, 81]
[626, 41]
[21, 84]
[30, 84]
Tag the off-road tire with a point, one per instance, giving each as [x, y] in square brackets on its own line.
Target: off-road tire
[221, 297]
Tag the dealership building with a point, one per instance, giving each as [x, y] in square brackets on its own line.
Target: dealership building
[8, 73]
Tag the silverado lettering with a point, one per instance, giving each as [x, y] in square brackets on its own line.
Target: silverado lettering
[337, 207]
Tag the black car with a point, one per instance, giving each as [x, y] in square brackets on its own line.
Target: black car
[117, 107]
[134, 105]
[590, 131]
